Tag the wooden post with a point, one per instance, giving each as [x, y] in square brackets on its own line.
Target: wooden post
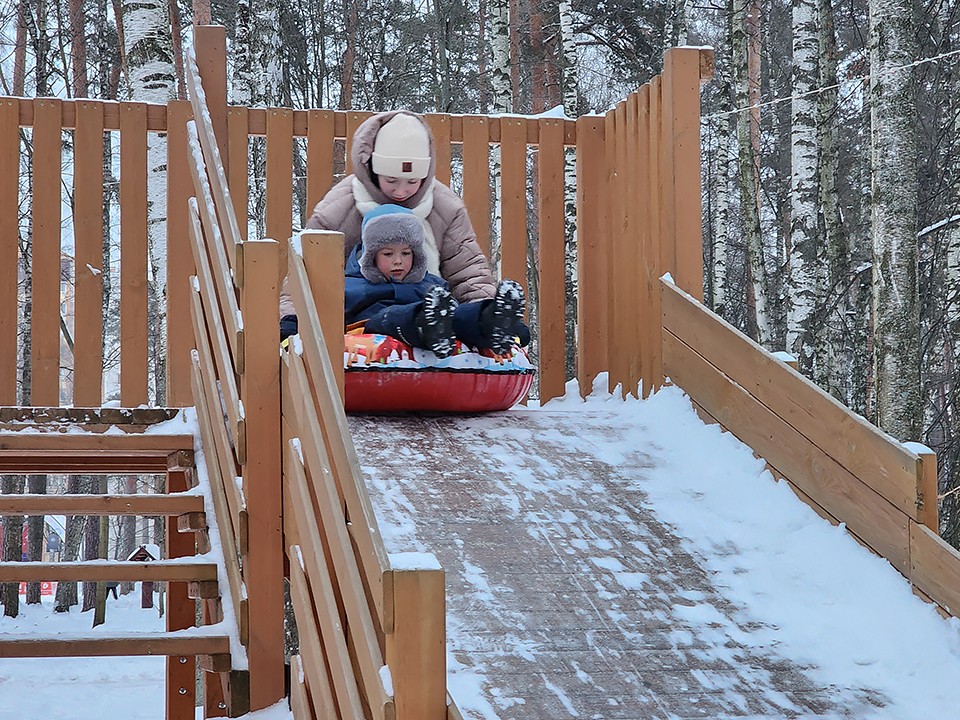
[591, 252]
[181, 614]
[681, 178]
[416, 649]
[787, 359]
[928, 486]
[210, 44]
[322, 253]
[656, 262]
[260, 392]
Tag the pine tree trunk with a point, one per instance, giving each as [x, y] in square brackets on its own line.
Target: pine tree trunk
[66, 596]
[349, 54]
[37, 485]
[805, 287]
[12, 543]
[78, 49]
[893, 118]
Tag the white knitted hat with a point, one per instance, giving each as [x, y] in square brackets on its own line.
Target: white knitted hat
[402, 149]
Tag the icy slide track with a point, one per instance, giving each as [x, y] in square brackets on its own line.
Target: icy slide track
[623, 560]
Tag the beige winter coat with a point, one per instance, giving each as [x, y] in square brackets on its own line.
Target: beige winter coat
[461, 261]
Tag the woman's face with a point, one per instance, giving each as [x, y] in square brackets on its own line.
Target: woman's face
[398, 189]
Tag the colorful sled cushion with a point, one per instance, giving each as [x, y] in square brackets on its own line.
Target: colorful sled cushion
[383, 374]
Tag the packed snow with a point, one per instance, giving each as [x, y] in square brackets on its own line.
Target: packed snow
[822, 599]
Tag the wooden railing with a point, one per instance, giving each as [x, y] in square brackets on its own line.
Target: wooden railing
[844, 467]
[235, 381]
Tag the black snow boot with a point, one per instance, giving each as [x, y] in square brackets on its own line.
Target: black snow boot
[500, 318]
[434, 321]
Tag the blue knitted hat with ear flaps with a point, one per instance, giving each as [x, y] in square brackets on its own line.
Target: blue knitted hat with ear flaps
[385, 225]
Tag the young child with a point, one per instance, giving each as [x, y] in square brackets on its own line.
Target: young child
[388, 287]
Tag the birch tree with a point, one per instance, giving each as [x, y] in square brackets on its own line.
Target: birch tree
[500, 55]
[569, 85]
[893, 121]
[805, 256]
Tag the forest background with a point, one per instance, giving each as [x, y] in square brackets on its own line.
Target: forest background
[831, 193]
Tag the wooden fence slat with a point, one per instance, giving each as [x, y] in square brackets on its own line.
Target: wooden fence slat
[179, 257]
[513, 206]
[260, 391]
[552, 281]
[354, 120]
[638, 313]
[228, 540]
[181, 612]
[476, 177]
[893, 471]
[868, 515]
[653, 374]
[239, 152]
[133, 254]
[681, 178]
[219, 452]
[935, 567]
[300, 704]
[159, 570]
[279, 219]
[440, 127]
[88, 263]
[340, 449]
[322, 250]
[9, 244]
[316, 668]
[211, 316]
[319, 157]
[220, 266]
[648, 332]
[321, 495]
[46, 276]
[316, 594]
[591, 254]
[616, 269]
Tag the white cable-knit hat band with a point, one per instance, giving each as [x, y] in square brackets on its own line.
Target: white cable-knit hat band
[402, 149]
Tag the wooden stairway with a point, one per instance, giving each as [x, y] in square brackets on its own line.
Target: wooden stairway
[87, 441]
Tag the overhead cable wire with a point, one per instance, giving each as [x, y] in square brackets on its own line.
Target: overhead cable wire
[817, 91]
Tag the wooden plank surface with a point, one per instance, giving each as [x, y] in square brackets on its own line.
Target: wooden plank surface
[637, 313]
[300, 704]
[238, 179]
[653, 376]
[513, 203]
[279, 174]
[651, 368]
[354, 120]
[88, 265]
[215, 251]
[319, 157]
[552, 279]
[112, 505]
[935, 567]
[316, 668]
[322, 498]
[153, 445]
[133, 254]
[681, 129]
[616, 269]
[322, 251]
[260, 392]
[22, 646]
[9, 244]
[881, 525]
[591, 252]
[46, 275]
[181, 612]
[158, 570]
[440, 127]
[179, 257]
[316, 595]
[339, 445]
[228, 540]
[91, 462]
[476, 177]
[888, 467]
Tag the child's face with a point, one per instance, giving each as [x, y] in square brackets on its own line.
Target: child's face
[395, 260]
[397, 188]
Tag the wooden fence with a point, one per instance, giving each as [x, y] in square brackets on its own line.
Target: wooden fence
[837, 462]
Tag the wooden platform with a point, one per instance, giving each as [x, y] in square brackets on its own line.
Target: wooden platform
[566, 595]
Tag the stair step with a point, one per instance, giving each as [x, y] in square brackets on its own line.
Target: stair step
[90, 453]
[157, 505]
[96, 645]
[159, 570]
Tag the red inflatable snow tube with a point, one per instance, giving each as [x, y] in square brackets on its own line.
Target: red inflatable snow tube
[381, 384]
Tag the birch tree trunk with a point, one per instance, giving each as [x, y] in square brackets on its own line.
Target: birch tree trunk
[805, 288]
[893, 119]
[744, 23]
[500, 55]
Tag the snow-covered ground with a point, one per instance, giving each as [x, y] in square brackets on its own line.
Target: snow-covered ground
[821, 599]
